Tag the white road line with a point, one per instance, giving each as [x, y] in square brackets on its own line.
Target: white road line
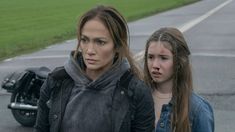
[194, 22]
[139, 56]
[36, 57]
[214, 55]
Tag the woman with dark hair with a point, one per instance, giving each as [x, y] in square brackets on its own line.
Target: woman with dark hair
[99, 89]
[168, 72]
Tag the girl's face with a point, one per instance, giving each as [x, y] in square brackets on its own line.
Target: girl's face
[160, 62]
[97, 46]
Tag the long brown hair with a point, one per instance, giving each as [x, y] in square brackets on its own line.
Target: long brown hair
[118, 29]
[182, 76]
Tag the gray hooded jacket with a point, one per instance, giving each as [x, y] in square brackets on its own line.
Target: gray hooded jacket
[89, 106]
[81, 104]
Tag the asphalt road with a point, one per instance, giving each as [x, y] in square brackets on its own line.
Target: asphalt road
[209, 28]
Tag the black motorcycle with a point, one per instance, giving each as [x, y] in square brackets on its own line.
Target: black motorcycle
[25, 88]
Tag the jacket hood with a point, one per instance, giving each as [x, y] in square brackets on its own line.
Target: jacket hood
[76, 70]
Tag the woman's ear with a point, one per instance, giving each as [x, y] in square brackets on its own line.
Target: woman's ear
[79, 49]
[115, 57]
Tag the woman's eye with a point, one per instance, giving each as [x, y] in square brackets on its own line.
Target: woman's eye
[100, 42]
[83, 40]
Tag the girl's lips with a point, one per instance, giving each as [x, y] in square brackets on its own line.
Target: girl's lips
[156, 73]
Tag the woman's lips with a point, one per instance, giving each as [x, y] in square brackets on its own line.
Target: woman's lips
[91, 61]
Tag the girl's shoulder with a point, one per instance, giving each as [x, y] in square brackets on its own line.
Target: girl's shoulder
[199, 105]
[198, 101]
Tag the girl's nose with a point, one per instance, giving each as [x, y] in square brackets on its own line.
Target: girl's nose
[156, 64]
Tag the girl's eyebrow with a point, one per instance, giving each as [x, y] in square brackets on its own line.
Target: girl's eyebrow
[166, 55]
[150, 53]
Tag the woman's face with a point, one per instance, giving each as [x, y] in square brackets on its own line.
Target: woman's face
[97, 46]
[160, 62]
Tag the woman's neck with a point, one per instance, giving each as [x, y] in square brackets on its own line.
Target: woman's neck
[96, 73]
[92, 74]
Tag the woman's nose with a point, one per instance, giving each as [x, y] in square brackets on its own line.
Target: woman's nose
[90, 48]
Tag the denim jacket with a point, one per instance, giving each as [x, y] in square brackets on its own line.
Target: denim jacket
[200, 114]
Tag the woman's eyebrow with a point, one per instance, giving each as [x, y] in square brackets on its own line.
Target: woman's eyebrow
[83, 36]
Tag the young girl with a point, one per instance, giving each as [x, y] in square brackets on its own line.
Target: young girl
[168, 71]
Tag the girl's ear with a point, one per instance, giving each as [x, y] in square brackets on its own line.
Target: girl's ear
[116, 55]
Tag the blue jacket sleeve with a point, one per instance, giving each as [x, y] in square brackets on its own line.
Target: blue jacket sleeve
[204, 119]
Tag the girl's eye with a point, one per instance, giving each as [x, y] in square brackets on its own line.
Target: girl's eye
[150, 57]
[164, 58]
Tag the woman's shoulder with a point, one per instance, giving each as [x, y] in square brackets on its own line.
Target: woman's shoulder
[55, 77]
[139, 88]
[138, 84]
[132, 82]
[59, 73]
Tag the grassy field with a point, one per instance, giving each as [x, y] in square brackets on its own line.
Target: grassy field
[28, 25]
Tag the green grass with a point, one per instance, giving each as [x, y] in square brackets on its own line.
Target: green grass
[28, 25]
